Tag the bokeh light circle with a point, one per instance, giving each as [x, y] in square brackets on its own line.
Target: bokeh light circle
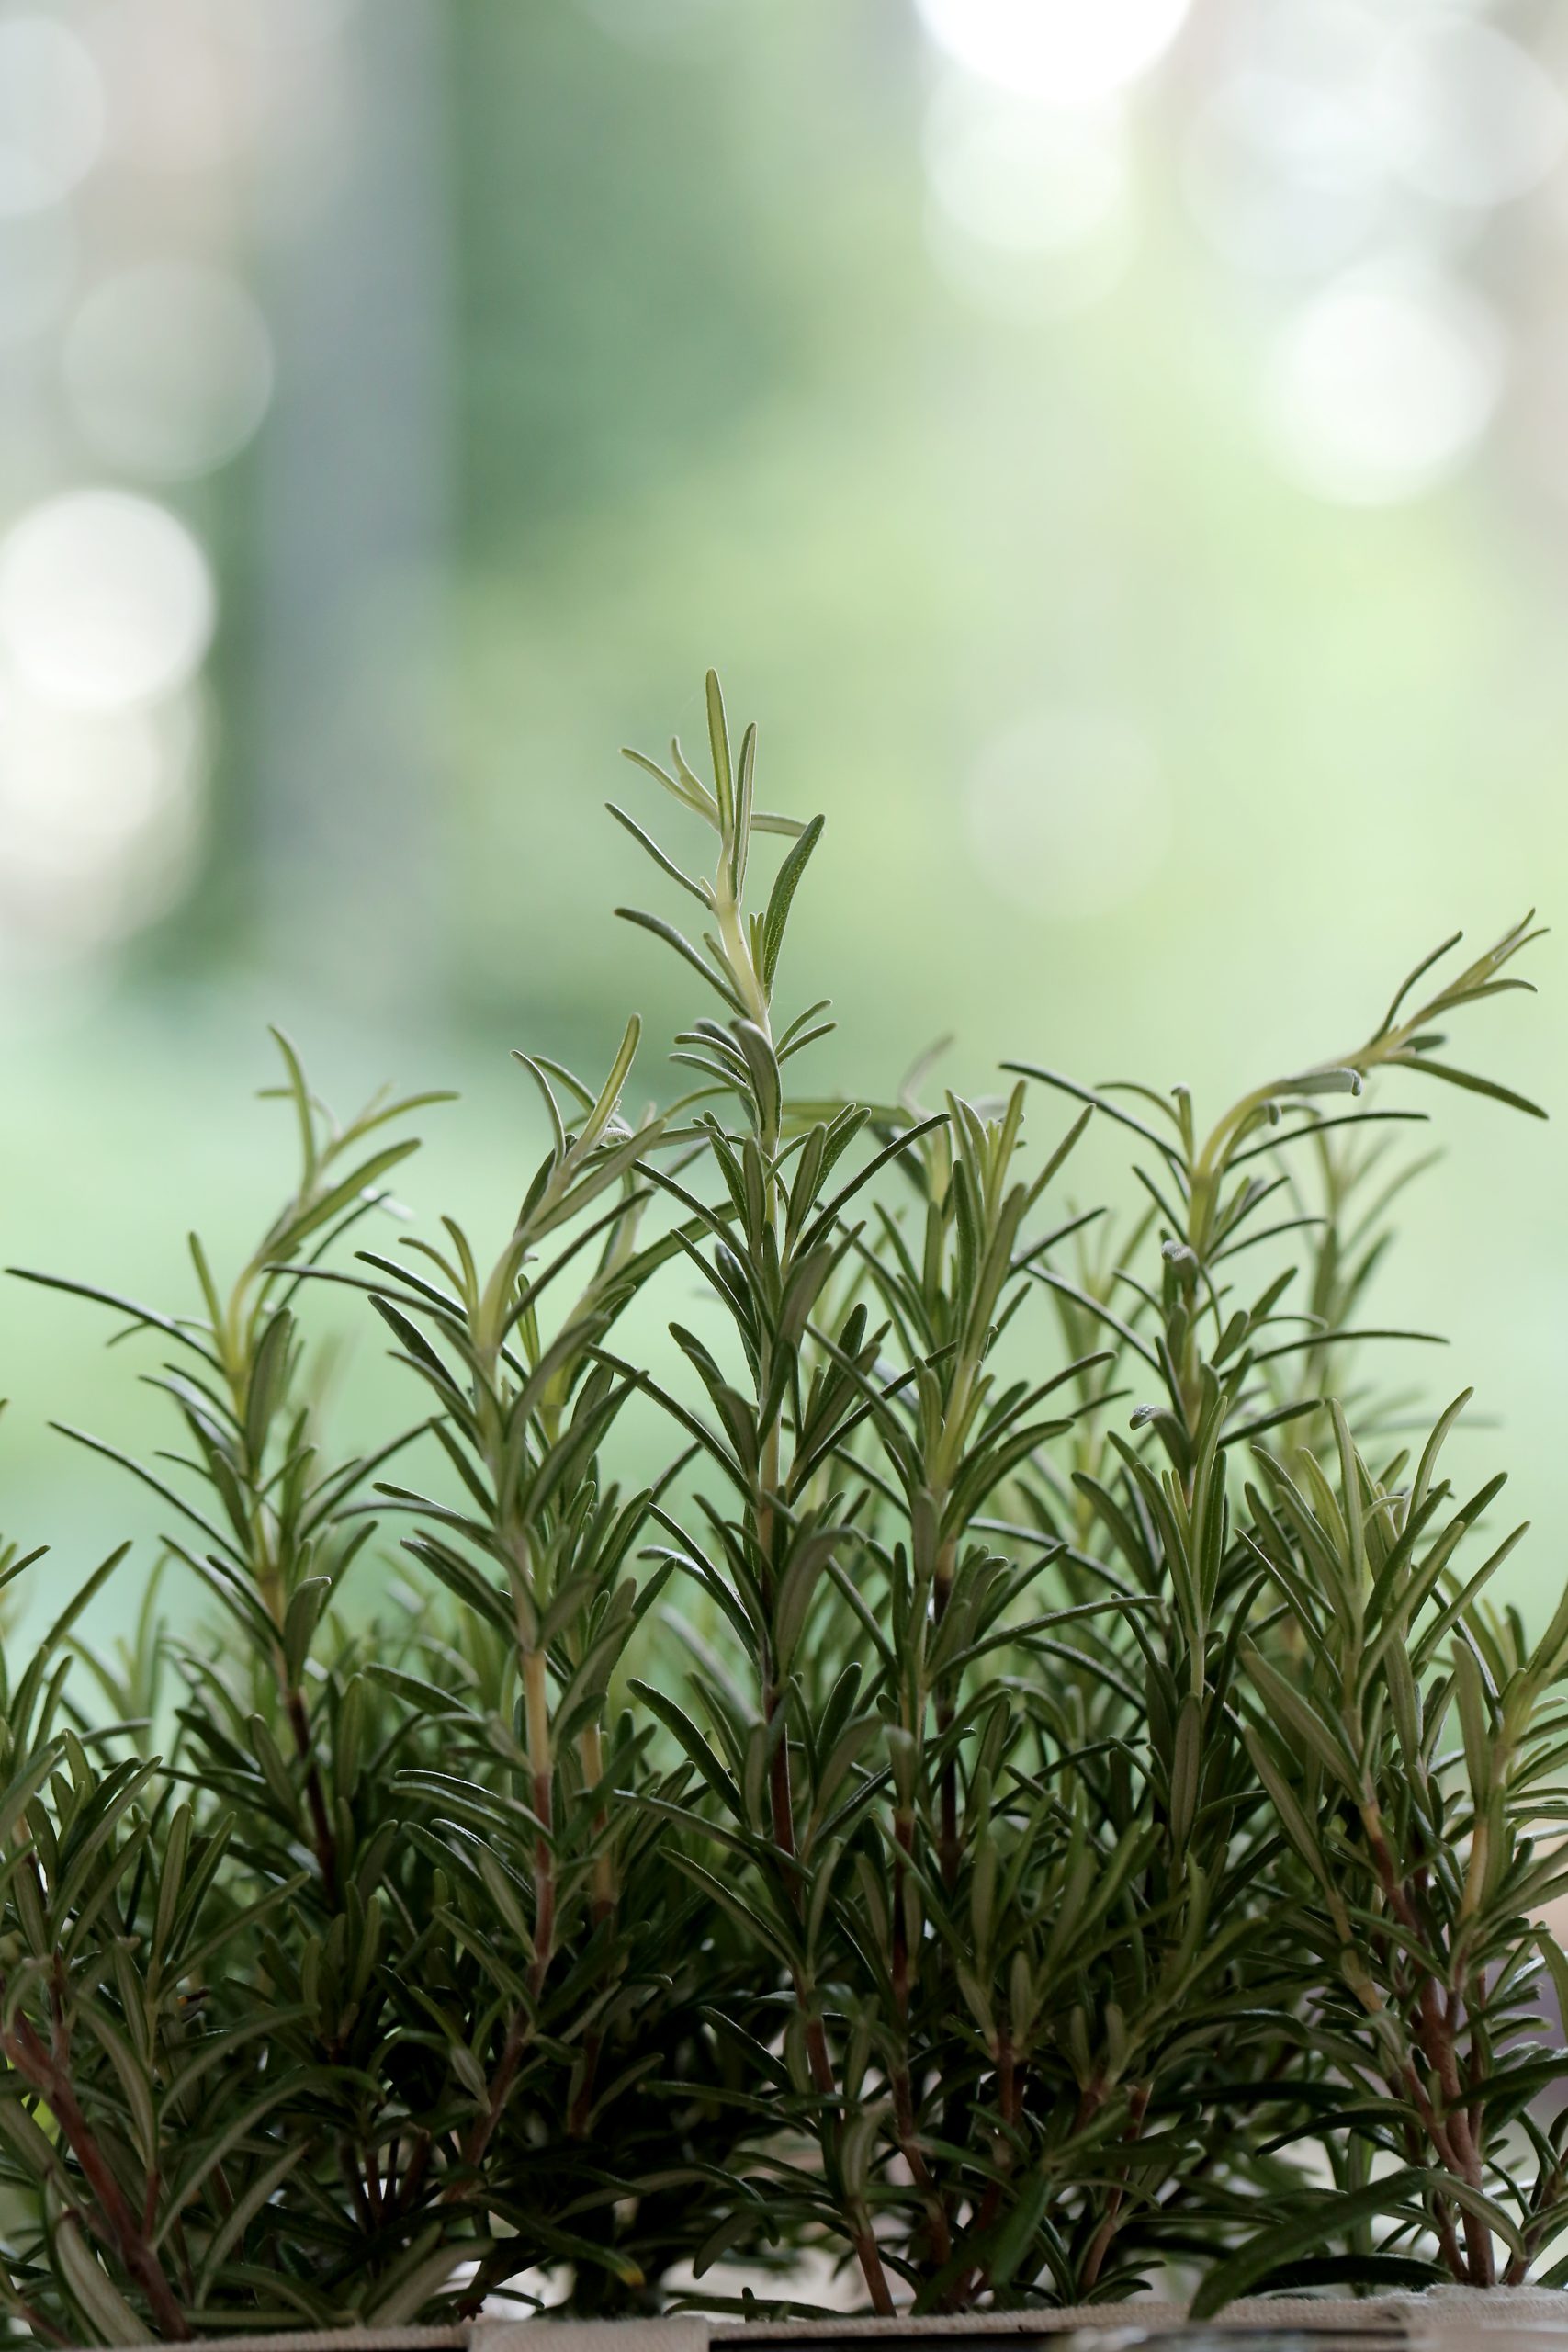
[1282, 178]
[1474, 120]
[1021, 180]
[1381, 385]
[1068, 52]
[51, 112]
[100, 820]
[106, 600]
[168, 368]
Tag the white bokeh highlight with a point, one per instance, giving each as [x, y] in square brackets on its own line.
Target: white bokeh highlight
[1031, 211]
[100, 821]
[1473, 121]
[1021, 178]
[1382, 385]
[106, 601]
[1065, 52]
[51, 112]
[1331, 127]
[168, 369]
[1282, 178]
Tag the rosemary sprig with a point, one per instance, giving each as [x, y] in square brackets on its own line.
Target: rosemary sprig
[1030, 1786]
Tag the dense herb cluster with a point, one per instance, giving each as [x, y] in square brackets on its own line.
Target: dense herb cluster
[1036, 1796]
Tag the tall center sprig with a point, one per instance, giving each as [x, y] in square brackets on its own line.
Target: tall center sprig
[769, 1247]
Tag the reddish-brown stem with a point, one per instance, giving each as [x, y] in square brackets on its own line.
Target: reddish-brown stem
[937, 2225]
[819, 2056]
[120, 2228]
[781, 1799]
[1009, 2107]
[1436, 2030]
[43, 2328]
[413, 2178]
[1444, 2223]
[482, 2130]
[1091, 2099]
[1094, 2261]
[870, 2258]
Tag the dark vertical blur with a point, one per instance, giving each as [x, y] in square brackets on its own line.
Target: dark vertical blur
[355, 518]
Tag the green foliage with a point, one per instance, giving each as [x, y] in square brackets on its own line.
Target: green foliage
[1036, 1795]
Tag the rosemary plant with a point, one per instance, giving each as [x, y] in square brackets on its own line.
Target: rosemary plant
[1033, 1800]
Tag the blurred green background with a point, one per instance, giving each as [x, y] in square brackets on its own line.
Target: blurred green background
[1118, 455]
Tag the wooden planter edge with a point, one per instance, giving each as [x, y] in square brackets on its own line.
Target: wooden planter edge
[1447, 2320]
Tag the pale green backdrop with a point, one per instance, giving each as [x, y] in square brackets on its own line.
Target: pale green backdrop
[1119, 458]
